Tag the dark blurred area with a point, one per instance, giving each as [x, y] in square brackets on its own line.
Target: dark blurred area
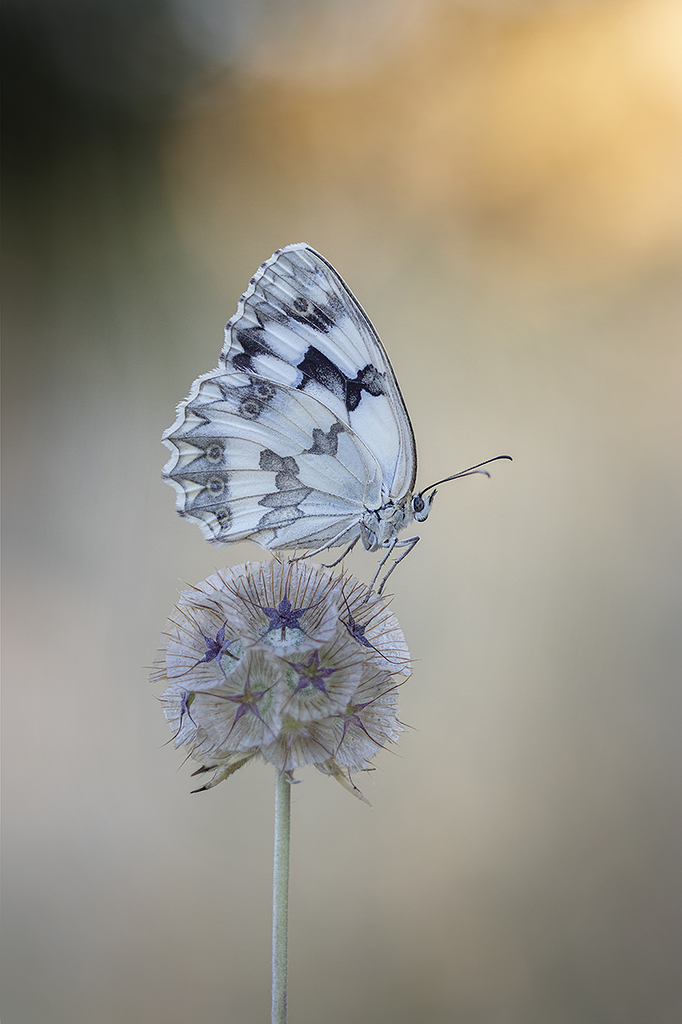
[87, 91]
[500, 183]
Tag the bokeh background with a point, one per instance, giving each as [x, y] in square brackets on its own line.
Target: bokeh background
[500, 182]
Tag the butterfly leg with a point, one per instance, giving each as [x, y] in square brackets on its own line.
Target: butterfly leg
[408, 543]
[325, 547]
[382, 563]
[330, 565]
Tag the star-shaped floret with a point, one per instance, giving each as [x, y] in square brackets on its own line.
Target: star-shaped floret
[357, 631]
[248, 700]
[311, 673]
[352, 717]
[285, 616]
[216, 647]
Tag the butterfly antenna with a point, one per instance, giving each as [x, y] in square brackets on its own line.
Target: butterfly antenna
[471, 471]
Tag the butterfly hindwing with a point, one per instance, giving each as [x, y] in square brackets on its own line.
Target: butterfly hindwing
[260, 460]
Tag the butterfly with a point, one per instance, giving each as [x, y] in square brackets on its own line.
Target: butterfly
[300, 438]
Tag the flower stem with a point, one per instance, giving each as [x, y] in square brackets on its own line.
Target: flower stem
[280, 898]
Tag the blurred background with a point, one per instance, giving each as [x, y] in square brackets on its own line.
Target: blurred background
[500, 183]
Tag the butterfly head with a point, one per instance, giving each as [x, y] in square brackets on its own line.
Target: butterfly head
[421, 506]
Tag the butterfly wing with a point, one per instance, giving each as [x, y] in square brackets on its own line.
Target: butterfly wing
[259, 460]
[302, 426]
[300, 325]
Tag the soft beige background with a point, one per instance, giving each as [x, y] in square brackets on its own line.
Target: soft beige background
[500, 183]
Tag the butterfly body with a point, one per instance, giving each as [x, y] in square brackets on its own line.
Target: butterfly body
[300, 438]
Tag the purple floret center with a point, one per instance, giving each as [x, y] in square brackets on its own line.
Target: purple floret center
[357, 631]
[311, 673]
[285, 616]
[248, 702]
[217, 647]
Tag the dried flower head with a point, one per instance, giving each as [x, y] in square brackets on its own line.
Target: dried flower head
[286, 662]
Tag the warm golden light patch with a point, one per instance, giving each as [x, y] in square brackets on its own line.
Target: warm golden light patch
[549, 134]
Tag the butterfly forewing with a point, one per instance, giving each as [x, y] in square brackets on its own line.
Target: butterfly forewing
[299, 324]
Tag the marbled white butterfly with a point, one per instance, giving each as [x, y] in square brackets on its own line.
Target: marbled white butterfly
[300, 438]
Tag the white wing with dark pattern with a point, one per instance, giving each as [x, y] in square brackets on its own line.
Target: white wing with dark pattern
[259, 460]
[301, 430]
[299, 324]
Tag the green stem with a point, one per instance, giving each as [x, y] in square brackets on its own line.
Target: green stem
[280, 898]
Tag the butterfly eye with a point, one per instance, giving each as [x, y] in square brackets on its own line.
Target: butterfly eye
[301, 304]
[421, 508]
